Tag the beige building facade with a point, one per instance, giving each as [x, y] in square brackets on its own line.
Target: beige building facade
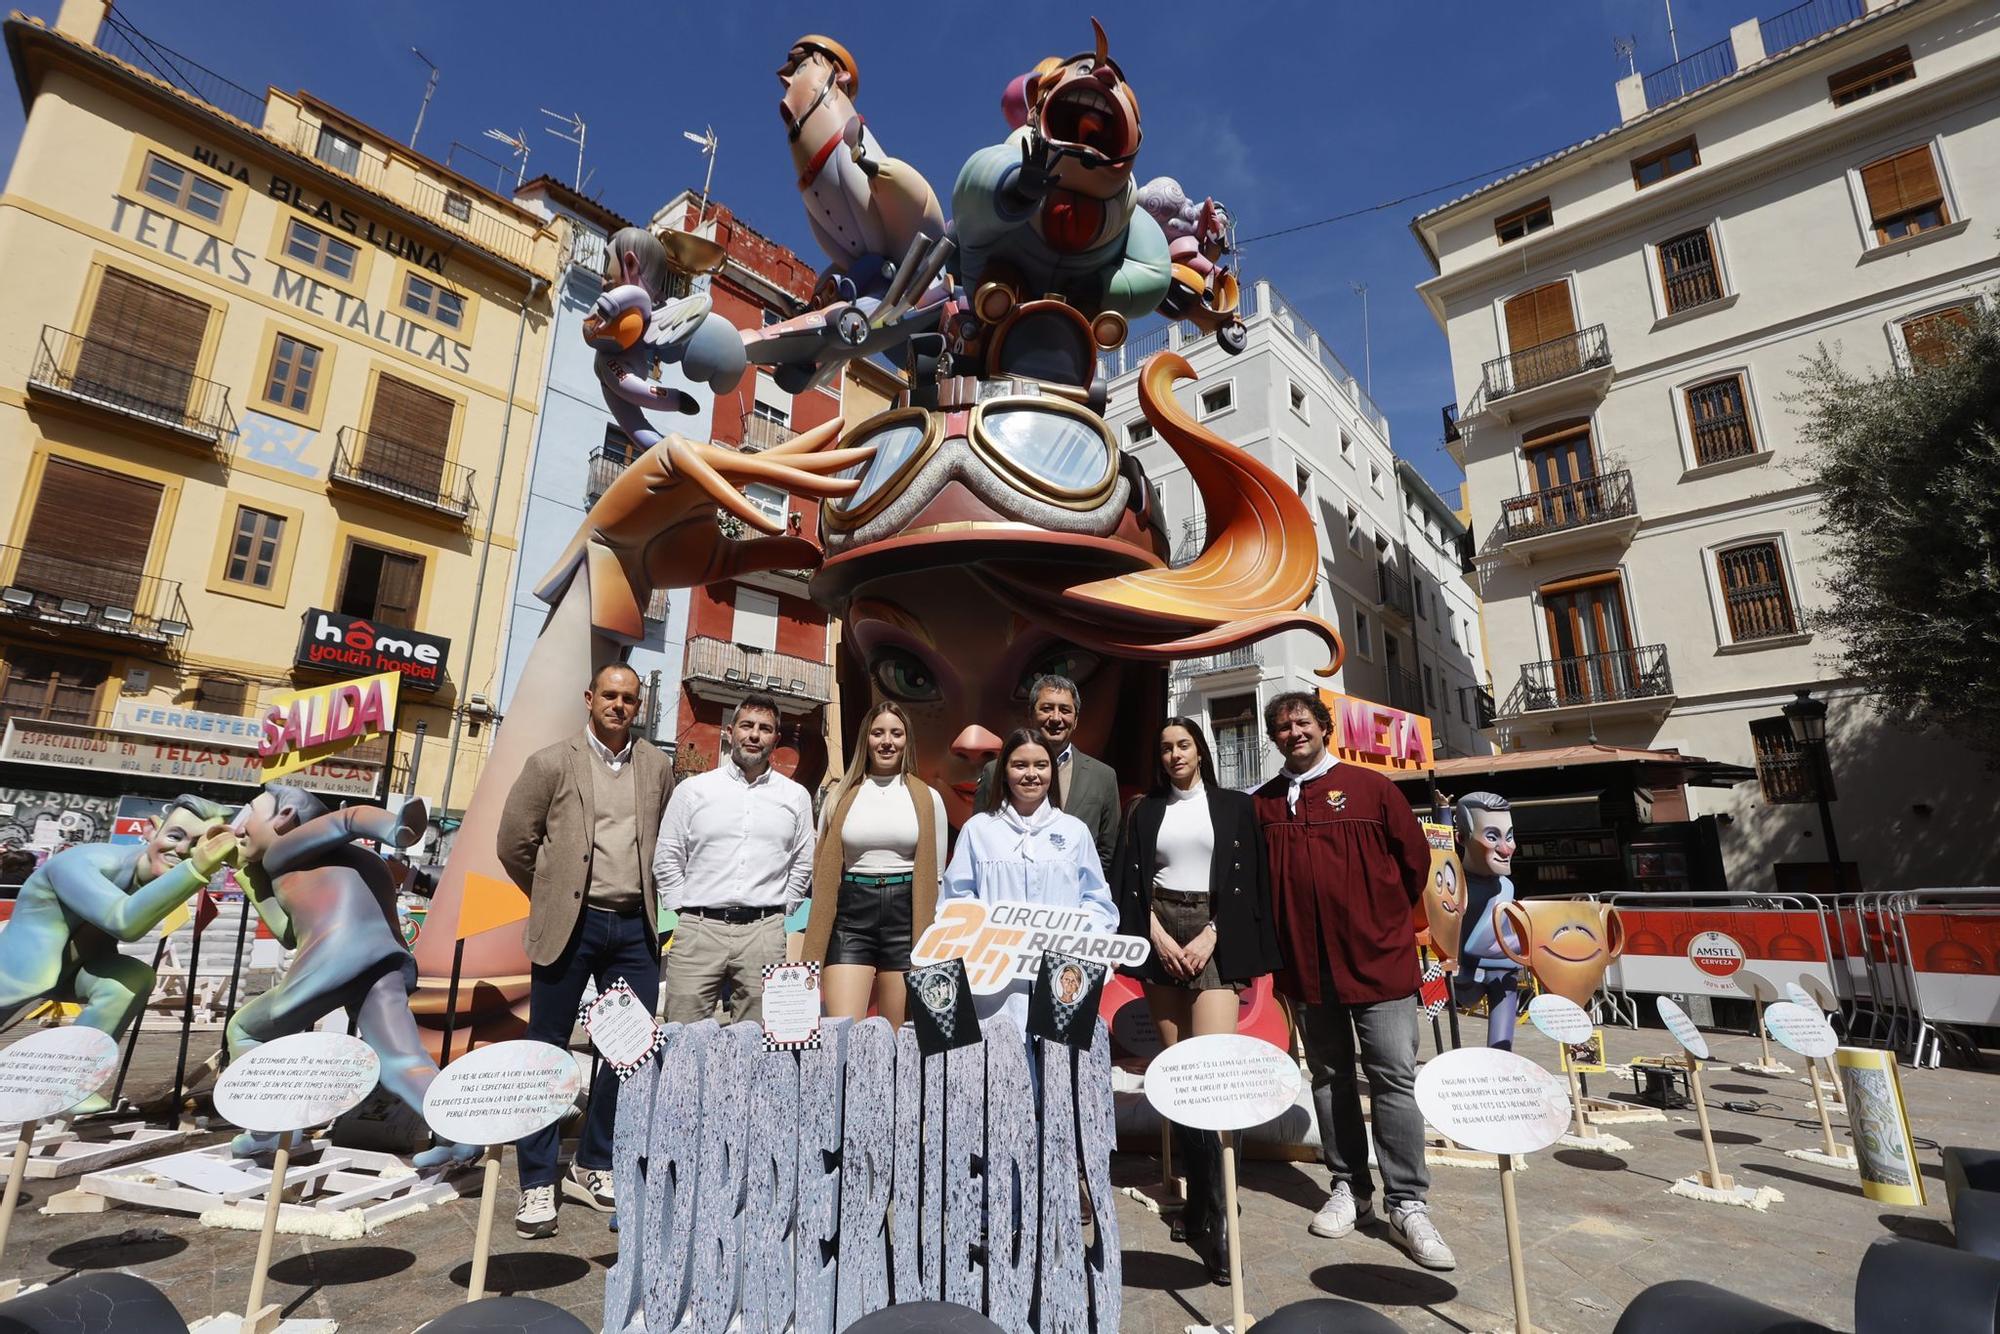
[1627, 320]
[267, 379]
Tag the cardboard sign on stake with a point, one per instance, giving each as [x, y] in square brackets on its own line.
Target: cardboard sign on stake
[1565, 1022]
[45, 1074]
[1806, 1031]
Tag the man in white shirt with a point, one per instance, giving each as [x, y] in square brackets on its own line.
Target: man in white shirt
[735, 855]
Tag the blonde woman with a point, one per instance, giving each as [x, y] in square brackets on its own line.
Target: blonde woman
[875, 878]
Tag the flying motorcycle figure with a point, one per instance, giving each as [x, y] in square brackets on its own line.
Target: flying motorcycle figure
[1204, 290]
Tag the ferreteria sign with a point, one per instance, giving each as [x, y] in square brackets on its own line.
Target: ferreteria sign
[350, 646]
[151, 757]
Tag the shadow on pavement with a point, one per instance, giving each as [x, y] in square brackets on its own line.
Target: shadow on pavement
[525, 1271]
[1160, 1271]
[1722, 1136]
[1786, 1173]
[1589, 1161]
[1919, 1229]
[135, 1246]
[336, 1268]
[1383, 1285]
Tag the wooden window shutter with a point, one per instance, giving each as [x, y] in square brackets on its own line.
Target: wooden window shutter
[409, 430]
[143, 342]
[400, 588]
[1928, 338]
[49, 687]
[89, 534]
[1899, 184]
[1538, 317]
[1754, 594]
[220, 695]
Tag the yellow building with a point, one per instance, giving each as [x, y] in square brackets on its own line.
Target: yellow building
[267, 387]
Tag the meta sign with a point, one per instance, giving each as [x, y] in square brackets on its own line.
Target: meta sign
[1365, 732]
[351, 646]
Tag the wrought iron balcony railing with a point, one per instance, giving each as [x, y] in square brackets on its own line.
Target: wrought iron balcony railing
[781, 674]
[1243, 760]
[90, 595]
[1392, 590]
[1451, 432]
[762, 433]
[1571, 505]
[1545, 363]
[103, 374]
[606, 462]
[414, 474]
[1227, 661]
[1596, 678]
[1404, 693]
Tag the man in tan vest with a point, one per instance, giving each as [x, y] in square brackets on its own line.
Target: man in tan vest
[577, 836]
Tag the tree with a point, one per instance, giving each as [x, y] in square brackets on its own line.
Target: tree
[1908, 460]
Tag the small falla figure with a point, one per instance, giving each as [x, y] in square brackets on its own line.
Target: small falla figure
[1444, 906]
[1566, 943]
[636, 326]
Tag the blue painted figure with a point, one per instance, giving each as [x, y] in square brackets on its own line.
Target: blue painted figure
[1485, 825]
[637, 324]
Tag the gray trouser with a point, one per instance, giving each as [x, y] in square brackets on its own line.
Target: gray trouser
[1388, 1040]
[707, 953]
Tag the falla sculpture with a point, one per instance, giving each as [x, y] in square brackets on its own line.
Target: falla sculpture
[986, 528]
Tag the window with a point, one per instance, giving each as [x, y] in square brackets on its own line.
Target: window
[1688, 272]
[1719, 420]
[1522, 221]
[755, 623]
[1672, 160]
[424, 297]
[89, 536]
[1354, 541]
[1754, 595]
[1375, 477]
[1417, 601]
[1138, 432]
[380, 585]
[1783, 770]
[1464, 708]
[1871, 76]
[409, 434]
[217, 694]
[142, 347]
[1930, 340]
[177, 187]
[458, 206]
[338, 149]
[253, 550]
[1364, 642]
[1905, 195]
[1346, 449]
[294, 368]
[1219, 399]
[1302, 480]
[311, 246]
[774, 503]
[49, 687]
[1298, 399]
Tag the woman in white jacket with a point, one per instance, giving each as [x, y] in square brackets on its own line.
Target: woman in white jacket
[1023, 849]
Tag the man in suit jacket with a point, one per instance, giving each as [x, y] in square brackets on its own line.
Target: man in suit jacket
[1086, 788]
[577, 836]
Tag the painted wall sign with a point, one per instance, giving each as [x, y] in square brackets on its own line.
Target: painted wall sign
[1223, 1081]
[1493, 1101]
[150, 757]
[304, 727]
[1002, 943]
[502, 1092]
[351, 646]
[296, 1081]
[150, 718]
[1375, 734]
[52, 1070]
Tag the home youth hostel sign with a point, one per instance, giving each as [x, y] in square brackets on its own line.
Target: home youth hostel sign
[351, 646]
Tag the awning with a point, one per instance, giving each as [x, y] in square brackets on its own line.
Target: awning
[1573, 764]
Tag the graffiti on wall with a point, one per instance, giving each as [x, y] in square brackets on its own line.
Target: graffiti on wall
[281, 444]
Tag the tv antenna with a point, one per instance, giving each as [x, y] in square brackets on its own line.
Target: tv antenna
[518, 143]
[429, 88]
[1623, 48]
[707, 141]
[574, 123]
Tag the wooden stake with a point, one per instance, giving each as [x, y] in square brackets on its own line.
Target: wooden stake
[1832, 1149]
[15, 1175]
[1516, 1268]
[1242, 1321]
[272, 1200]
[1713, 1178]
[482, 1241]
[1582, 1130]
[1763, 1034]
[1168, 1185]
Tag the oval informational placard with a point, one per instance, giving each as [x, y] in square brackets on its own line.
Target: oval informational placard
[501, 1093]
[1821, 994]
[295, 1082]
[1804, 1031]
[1797, 995]
[1224, 1081]
[1493, 1101]
[52, 1070]
[1560, 1018]
[1755, 985]
[1683, 1029]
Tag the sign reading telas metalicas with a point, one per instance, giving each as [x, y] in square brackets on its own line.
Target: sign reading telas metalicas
[351, 646]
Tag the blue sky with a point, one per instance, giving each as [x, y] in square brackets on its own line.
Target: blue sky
[1287, 112]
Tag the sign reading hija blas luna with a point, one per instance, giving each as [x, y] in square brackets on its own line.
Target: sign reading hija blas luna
[190, 245]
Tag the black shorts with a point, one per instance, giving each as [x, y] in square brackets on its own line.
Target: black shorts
[872, 926]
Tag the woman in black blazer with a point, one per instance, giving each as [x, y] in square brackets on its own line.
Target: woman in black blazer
[1192, 878]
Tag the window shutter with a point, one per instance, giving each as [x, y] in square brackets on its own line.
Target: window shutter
[1901, 183]
[143, 342]
[1928, 338]
[1754, 593]
[400, 588]
[408, 431]
[49, 687]
[89, 534]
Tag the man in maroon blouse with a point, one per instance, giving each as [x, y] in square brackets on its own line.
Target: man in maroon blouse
[1348, 862]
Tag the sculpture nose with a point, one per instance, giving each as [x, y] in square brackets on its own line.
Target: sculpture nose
[975, 745]
[1105, 75]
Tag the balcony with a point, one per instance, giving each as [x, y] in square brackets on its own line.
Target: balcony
[1631, 682]
[1404, 693]
[1242, 759]
[760, 433]
[1593, 511]
[79, 369]
[410, 474]
[86, 599]
[606, 462]
[1392, 592]
[1218, 664]
[720, 670]
[1577, 365]
[1194, 536]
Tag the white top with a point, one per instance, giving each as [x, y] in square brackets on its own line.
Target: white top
[1047, 857]
[1327, 760]
[1186, 842]
[614, 760]
[727, 841]
[879, 836]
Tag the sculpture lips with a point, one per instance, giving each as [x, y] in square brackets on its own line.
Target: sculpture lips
[1574, 958]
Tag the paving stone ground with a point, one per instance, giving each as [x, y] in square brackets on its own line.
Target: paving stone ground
[1598, 1229]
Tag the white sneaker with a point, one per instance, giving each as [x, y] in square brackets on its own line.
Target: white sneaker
[537, 1215]
[1411, 1225]
[589, 1186]
[1337, 1217]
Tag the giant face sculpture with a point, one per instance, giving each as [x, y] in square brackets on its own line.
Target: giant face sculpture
[1488, 840]
[1566, 943]
[171, 842]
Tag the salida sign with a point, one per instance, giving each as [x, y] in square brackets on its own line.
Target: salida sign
[352, 646]
[309, 725]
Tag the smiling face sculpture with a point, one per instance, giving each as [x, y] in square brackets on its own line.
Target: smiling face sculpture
[1566, 943]
[1444, 906]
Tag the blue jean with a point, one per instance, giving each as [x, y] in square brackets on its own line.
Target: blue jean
[1502, 990]
[605, 948]
[1387, 1037]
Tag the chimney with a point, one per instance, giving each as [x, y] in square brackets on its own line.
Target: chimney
[81, 19]
[1631, 97]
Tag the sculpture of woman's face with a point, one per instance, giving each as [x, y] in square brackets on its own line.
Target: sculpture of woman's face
[937, 643]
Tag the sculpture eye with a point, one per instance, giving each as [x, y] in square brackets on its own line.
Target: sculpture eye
[902, 675]
[1078, 664]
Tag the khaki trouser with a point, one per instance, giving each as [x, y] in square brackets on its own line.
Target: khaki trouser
[707, 952]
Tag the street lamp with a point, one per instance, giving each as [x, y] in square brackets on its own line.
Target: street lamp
[1807, 718]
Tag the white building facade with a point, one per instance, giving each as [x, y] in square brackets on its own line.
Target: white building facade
[1388, 581]
[1627, 320]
